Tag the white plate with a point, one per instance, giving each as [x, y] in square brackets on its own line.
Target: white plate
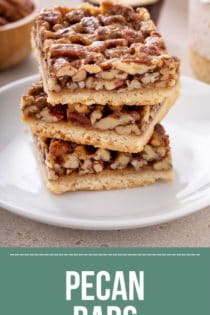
[23, 192]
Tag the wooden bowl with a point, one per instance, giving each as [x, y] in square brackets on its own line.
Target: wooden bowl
[15, 39]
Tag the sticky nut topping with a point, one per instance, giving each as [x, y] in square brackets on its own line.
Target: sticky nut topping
[124, 120]
[103, 48]
[63, 157]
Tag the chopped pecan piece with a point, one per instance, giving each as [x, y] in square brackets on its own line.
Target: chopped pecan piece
[137, 164]
[71, 161]
[102, 154]
[162, 165]
[58, 111]
[128, 130]
[78, 118]
[116, 42]
[149, 153]
[112, 121]
[86, 167]
[80, 108]
[46, 115]
[88, 24]
[121, 161]
[114, 19]
[98, 166]
[76, 16]
[79, 76]
[95, 116]
[59, 148]
[52, 17]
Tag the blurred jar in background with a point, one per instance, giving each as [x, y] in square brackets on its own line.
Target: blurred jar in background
[199, 37]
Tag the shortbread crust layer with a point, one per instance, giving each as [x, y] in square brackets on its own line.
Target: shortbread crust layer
[108, 180]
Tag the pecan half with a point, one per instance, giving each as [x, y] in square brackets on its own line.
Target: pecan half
[59, 148]
[68, 50]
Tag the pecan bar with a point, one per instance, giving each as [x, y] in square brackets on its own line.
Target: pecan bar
[69, 166]
[123, 128]
[112, 54]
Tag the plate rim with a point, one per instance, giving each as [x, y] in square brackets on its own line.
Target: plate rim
[100, 224]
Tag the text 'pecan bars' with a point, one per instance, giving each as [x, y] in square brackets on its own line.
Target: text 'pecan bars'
[68, 166]
[112, 54]
[121, 128]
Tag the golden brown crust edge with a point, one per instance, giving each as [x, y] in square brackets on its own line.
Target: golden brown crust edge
[87, 97]
[108, 180]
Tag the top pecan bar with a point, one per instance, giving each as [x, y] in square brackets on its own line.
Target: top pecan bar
[89, 54]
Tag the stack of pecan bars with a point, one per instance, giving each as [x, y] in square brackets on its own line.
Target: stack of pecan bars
[107, 82]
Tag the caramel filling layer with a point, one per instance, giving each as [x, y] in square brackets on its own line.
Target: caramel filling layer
[63, 158]
[124, 120]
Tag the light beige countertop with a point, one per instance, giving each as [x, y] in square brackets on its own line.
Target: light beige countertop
[193, 230]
